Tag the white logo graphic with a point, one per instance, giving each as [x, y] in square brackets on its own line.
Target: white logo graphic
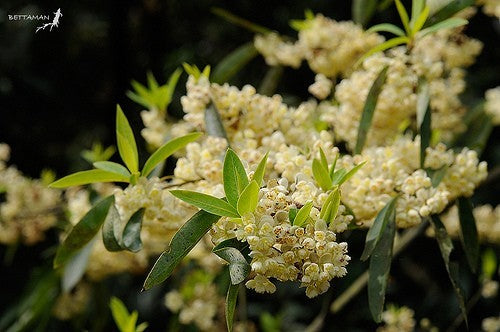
[55, 22]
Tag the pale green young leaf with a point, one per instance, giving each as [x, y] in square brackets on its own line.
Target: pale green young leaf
[450, 23]
[86, 177]
[321, 175]
[183, 241]
[334, 203]
[369, 109]
[420, 21]
[387, 27]
[191, 70]
[349, 174]
[403, 14]
[468, 232]
[332, 167]
[152, 83]
[338, 175]
[141, 327]
[258, 175]
[416, 9]
[236, 20]
[142, 92]
[132, 320]
[249, 197]
[206, 71]
[303, 214]
[126, 141]
[489, 264]
[207, 203]
[324, 161]
[377, 228]
[112, 167]
[83, 231]
[120, 313]
[171, 84]
[231, 298]
[234, 177]
[233, 63]
[131, 237]
[98, 153]
[384, 46]
[166, 150]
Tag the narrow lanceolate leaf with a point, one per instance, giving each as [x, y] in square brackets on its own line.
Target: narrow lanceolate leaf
[417, 6]
[450, 23]
[171, 84]
[332, 166]
[112, 230]
[126, 141]
[236, 20]
[248, 199]
[489, 264]
[83, 232]
[376, 231]
[323, 159]
[448, 11]
[271, 80]
[258, 175]
[183, 241]
[119, 312]
[403, 14]
[363, 10]
[233, 63]
[206, 202]
[380, 265]
[234, 177]
[321, 175]
[384, 46]
[166, 150]
[338, 175]
[231, 298]
[446, 247]
[112, 167]
[292, 214]
[419, 22]
[303, 214]
[331, 206]
[131, 238]
[369, 110]
[86, 177]
[75, 269]
[238, 265]
[350, 174]
[387, 27]
[468, 229]
[213, 122]
[425, 134]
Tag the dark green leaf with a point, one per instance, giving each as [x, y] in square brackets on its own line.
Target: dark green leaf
[238, 265]
[83, 232]
[132, 233]
[234, 176]
[380, 265]
[448, 11]
[292, 214]
[423, 118]
[468, 230]
[206, 202]
[86, 177]
[271, 80]
[112, 230]
[231, 298]
[369, 109]
[249, 199]
[321, 175]
[213, 122]
[376, 231]
[236, 20]
[363, 10]
[234, 243]
[233, 63]
[166, 150]
[112, 167]
[446, 247]
[387, 27]
[183, 241]
[126, 141]
[75, 268]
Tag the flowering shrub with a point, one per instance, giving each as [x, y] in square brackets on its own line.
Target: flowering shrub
[265, 194]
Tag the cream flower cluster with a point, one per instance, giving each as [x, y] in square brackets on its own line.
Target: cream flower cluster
[330, 47]
[156, 128]
[29, 208]
[490, 7]
[321, 87]
[398, 320]
[492, 105]
[491, 324]
[394, 170]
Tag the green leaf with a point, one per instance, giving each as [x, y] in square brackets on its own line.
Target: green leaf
[83, 232]
[141, 327]
[231, 298]
[376, 231]
[126, 141]
[437, 175]
[152, 83]
[292, 214]
[131, 238]
[236, 20]
[258, 175]
[238, 265]
[86, 177]
[448, 11]
[324, 161]
[213, 122]
[446, 24]
[338, 175]
[380, 265]
[489, 264]
[332, 167]
[249, 198]
[416, 9]
[271, 80]
[112, 167]
[384, 46]
[120, 313]
[234, 177]
[166, 150]
[470, 241]
[369, 109]
[363, 10]
[233, 63]
[446, 247]
[419, 22]
[331, 206]
[321, 175]
[349, 174]
[191, 70]
[423, 118]
[112, 230]
[403, 14]
[303, 214]
[75, 268]
[206, 202]
[387, 27]
[183, 241]
[170, 88]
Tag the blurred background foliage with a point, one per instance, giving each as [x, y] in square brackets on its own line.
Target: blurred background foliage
[58, 92]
